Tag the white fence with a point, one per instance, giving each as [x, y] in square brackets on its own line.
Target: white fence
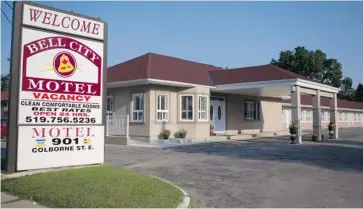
[118, 125]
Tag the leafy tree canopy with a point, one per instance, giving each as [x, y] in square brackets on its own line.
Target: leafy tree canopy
[5, 80]
[359, 93]
[312, 64]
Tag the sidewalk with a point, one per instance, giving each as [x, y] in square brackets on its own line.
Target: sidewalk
[164, 144]
[10, 201]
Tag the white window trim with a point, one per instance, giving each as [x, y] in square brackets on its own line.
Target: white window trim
[306, 115]
[138, 111]
[162, 111]
[325, 113]
[254, 105]
[180, 107]
[346, 116]
[327, 119]
[324, 116]
[206, 111]
[110, 112]
[303, 115]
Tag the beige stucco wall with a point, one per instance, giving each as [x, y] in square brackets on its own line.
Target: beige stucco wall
[270, 115]
[151, 128]
[122, 105]
[196, 129]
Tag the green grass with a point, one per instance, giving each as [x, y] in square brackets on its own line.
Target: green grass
[101, 186]
[192, 204]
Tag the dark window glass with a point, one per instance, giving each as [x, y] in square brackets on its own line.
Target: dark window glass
[211, 112]
[219, 112]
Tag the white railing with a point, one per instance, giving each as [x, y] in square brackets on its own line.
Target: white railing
[118, 125]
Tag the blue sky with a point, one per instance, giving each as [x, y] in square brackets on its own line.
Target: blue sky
[233, 34]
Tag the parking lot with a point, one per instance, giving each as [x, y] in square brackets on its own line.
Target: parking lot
[257, 173]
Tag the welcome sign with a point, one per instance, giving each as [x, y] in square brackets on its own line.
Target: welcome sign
[60, 99]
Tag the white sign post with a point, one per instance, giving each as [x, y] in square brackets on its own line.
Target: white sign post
[58, 114]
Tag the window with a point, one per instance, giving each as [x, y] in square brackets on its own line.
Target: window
[187, 107]
[322, 115]
[308, 116]
[252, 110]
[283, 118]
[345, 116]
[138, 107]
[109, 106]
[162, 111]
[340, 116]
[202, 109]
[327, 116]
[355, 117]
[303, 113]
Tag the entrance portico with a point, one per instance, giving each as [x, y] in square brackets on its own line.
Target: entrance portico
[317, 91]
[279, 84]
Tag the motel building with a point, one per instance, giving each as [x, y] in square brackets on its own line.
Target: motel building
[152, 92]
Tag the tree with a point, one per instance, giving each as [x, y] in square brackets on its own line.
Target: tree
[347, 91]
[312, 64]
[5, 80]
[359, 93]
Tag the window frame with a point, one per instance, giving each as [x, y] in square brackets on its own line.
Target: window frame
[256, 113]
[322, 116]
[303, 115]
[109, 113]
[206, 108]
[346, 116]
[137, 111]
[327, 118]
[162, 111]
[187, 110]
[306, 115]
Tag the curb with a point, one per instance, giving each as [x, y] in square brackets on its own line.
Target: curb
[186, 199]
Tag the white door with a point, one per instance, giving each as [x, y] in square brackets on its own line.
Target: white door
[218, 114]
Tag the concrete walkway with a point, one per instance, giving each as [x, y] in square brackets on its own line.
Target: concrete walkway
[10, 201]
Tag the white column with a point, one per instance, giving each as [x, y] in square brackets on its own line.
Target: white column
[296, 112]
[127, 125]
[316, 115]
[334, 114]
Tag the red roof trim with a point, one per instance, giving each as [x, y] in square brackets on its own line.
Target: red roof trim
[4, 95]
[324, 101]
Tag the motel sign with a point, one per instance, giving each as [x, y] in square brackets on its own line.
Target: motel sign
[57, 105]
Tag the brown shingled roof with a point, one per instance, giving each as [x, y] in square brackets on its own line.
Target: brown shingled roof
[162, 67]
[253, 74]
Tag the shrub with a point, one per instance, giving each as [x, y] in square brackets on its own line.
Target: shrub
[165, 132]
